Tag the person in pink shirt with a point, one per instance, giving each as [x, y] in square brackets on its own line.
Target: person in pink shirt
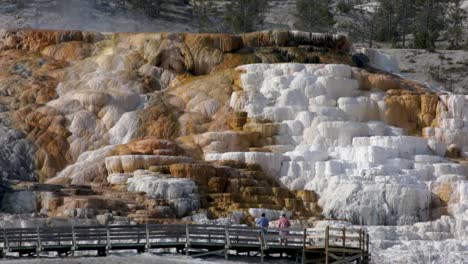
[283, 225]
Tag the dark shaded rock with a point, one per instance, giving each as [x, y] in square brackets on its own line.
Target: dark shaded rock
[360, 60]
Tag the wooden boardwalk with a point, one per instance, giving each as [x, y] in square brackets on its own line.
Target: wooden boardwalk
[328, 245]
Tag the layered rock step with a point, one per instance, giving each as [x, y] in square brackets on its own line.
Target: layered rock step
[179, 186]
[104, 204]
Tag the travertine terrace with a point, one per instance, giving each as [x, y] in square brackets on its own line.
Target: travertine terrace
[158, 127]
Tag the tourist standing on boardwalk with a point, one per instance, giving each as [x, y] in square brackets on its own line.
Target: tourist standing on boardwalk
[283, 225]
[263, 222]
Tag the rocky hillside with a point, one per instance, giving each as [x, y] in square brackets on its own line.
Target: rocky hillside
[167, 127]
[106, 16]
[99, 120]
[443, 68]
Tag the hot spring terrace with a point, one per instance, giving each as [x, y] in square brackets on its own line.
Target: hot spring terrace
[329, 245]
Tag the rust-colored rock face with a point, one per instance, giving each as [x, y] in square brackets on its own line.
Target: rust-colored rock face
[69, 51]
[237, 120]
[232, 186]
[37, 40]
[47, 129]
[385, 82]
[410, 110]
[409, 104]
[148, 146]
[370, 81]
[27, 78]
[159, 120]
[27, 84]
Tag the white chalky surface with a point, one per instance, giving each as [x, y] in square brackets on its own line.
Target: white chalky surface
[364, 171]
[181, 193]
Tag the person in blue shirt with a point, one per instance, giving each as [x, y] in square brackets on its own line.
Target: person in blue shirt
[263, 222]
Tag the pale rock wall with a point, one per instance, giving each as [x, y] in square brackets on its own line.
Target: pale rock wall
[363, 169]
[89, 167]
[453, 121]
[349, 146]
[97, 94]
[272, 215]
[182, 194]
[20, 202]
[131, 163]
[16, 155]
[270, 162]
[381, 60]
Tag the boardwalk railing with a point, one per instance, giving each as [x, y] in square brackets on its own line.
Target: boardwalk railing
[328, 245]
[340, 245]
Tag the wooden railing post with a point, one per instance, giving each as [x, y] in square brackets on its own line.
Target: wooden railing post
[148, 244]
[364, 246]
[227, 245]
[99, 236]
[138, 234]
[179, 235]
[6, 244]
[367, 248]
[327, 241]
[361, 245]
[262, 247]
[108, 244]
[344, 242]
[21, 238]
[187, 239]
[39, 243]
[304, 239]
[74, 245]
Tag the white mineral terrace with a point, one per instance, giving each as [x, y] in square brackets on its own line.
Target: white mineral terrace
[333, 139]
